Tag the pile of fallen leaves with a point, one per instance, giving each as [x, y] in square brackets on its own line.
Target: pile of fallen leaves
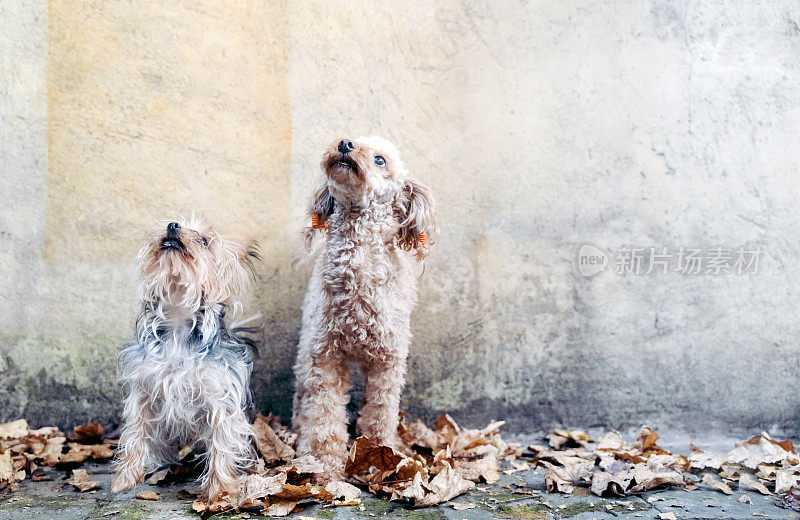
[24, 451]
[432, 466]
[759, 463]
[611, 467]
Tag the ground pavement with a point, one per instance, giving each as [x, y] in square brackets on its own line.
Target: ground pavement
[520, 495]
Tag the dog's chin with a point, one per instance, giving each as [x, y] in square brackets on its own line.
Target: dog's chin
[171, 294]
[345, 163]
[344, 174]
[171, 245]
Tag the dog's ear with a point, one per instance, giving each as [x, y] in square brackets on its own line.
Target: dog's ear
[234, 271]
[320, 208]
[415, 208]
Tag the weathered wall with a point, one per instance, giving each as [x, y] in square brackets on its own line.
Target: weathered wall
[539, 125]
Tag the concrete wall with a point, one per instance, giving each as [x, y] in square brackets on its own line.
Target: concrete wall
[540, 126]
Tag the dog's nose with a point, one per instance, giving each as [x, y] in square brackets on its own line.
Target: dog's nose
[172, 229]
[346, 146]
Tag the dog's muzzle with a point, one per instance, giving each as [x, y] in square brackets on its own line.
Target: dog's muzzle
[346, 162]
[345, 146]
[171, 240]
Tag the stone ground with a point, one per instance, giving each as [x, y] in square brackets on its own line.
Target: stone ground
[520, 495]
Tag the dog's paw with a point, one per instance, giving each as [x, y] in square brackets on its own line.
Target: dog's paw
[125, 481]
[231, 491]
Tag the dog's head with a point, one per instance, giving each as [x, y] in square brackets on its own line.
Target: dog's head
[186, 265]
[365, 170]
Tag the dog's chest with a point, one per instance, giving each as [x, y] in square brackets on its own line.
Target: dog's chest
[361, 276]
[179, 369]
[362, 285]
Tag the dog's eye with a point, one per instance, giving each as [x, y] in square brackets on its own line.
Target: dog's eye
[204, 241]
[380, 161]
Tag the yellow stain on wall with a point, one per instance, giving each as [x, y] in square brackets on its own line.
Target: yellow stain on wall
[160, 109]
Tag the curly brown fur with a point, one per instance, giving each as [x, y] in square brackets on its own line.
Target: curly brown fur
[360, 295]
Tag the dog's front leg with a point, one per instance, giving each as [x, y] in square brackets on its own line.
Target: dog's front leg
[380, 414]
[227, 456]
[228, 440]
[134, 450]
[323, 434]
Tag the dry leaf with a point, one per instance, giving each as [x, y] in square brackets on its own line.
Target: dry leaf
[87, 433]
[474, 454]
[365, 454]
[147, 495]
[51, 455]
[341, 503]
[521, 467]
[714, 481]
[563, 478]
[785, 480]
[612, 441]
[46, 432]
[387, 471]
[484, 469]
[343, 491]
[417, 434]
[38, 475]
[377, 465]
[730, 471]
[157, 476]
[750, 481]
[767, 472]
[187, 494]
[791, 499]
[449, 434]
[447, 429]
[638, 477]
[14, 429]
[79, 453]
[563, 439]
[649, 476]
[463, 506]
[701, 460]
[646, 439]
[199, 506]
[259, 486]
[305, 492]
[754, 453]
[279, 508]
[269, 445]
[7, 472]
[300, 470]
[761, 449]
[446, 485]
[605, 483]
[80, 480]
[281, 430]
[558, 479]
